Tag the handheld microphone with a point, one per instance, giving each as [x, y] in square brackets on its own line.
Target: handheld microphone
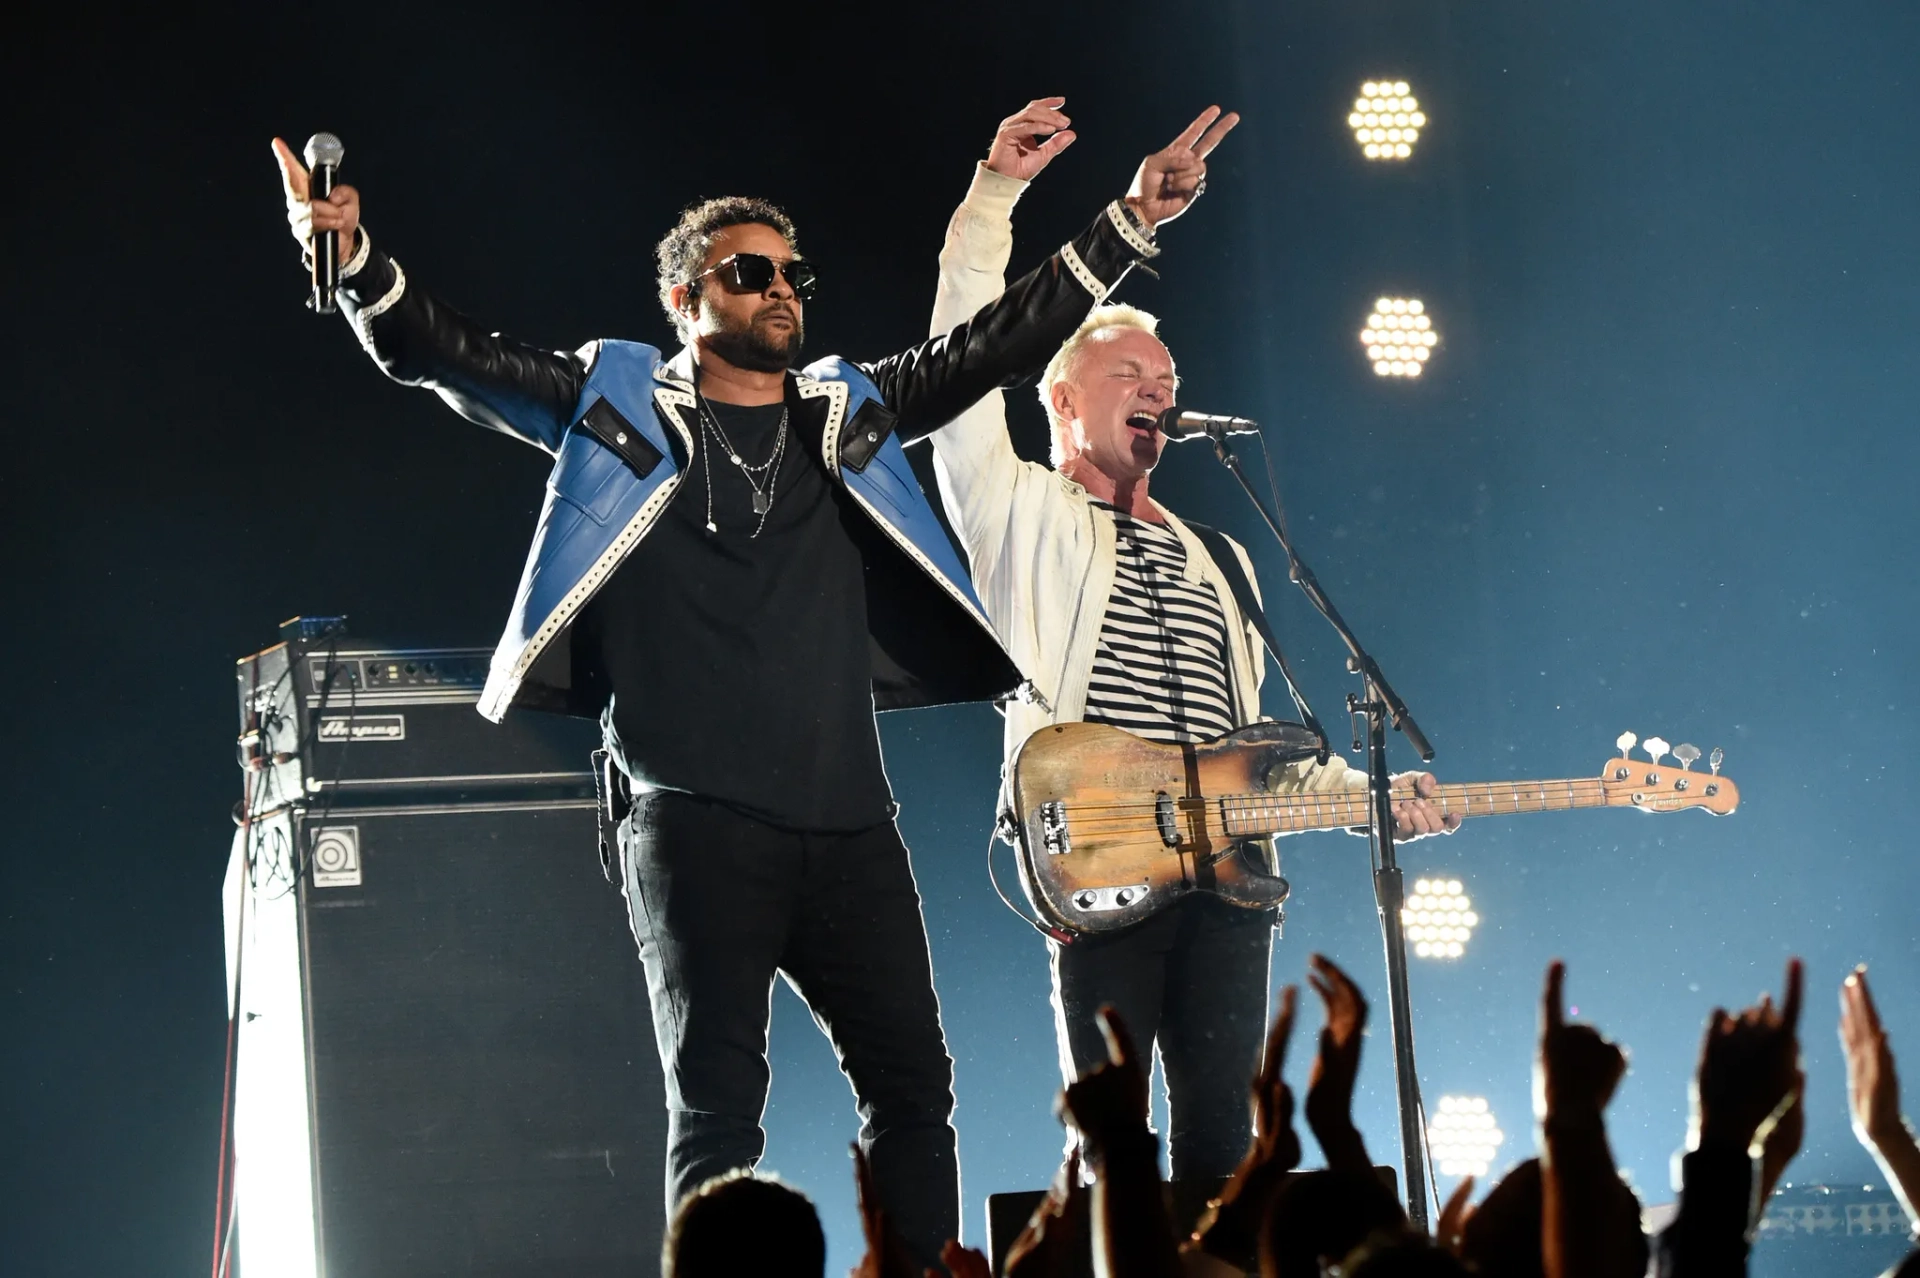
[324, 153]
[1178, 423]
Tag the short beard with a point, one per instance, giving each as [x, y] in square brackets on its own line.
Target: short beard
[753, 348]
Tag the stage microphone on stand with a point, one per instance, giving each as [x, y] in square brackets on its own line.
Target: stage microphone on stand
[324, 153]
[1178, 424]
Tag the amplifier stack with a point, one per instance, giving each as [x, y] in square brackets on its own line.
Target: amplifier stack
[445, 1059]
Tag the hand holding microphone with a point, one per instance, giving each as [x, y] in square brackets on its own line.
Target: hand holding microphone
[323, 214]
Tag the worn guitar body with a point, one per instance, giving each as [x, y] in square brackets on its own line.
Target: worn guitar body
[1114, 828]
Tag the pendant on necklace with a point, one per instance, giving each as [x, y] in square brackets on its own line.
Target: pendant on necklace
[762, 503]
[735, 459]
[711, 528]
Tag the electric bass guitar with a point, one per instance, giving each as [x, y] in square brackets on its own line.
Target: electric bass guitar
[1111, 828]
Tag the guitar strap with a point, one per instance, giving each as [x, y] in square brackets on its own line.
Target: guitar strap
[1228, 563]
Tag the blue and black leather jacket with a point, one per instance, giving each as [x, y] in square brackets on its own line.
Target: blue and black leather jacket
[618, 419]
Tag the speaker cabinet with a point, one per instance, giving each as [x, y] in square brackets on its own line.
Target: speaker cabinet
[446, 1062]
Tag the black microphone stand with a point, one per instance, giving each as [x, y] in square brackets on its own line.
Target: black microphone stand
[1379, 705]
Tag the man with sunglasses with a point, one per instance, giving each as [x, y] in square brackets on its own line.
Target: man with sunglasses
[734, 569]
[1121, 614]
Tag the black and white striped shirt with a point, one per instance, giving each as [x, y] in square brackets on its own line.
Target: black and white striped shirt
[1160, 668]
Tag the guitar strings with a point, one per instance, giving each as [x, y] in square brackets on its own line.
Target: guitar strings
[1352, 808]
[1306, 799]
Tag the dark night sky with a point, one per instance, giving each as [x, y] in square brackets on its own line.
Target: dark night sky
[1659, 479]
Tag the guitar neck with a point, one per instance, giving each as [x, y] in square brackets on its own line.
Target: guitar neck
[1249, 815]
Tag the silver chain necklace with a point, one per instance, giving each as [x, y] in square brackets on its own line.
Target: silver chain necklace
[761, 476]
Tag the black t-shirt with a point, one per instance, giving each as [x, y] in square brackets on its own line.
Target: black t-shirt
[737, 667]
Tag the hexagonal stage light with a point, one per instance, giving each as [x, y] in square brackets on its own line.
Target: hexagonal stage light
[1463, 1138]
[1399, 337]
[1386, 120]
[1439, 918]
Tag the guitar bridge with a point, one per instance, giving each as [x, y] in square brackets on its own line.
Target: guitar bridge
[1053, 829]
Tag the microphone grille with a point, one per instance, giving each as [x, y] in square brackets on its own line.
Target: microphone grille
[324, 148]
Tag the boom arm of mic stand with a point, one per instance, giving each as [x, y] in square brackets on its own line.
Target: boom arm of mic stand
[1302, 576]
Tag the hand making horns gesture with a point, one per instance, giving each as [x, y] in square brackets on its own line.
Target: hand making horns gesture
[1171, 179]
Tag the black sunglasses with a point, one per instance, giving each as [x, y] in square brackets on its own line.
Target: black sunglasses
[753, 273]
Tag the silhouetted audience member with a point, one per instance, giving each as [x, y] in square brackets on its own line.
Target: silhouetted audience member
[1748, 1076]
[1589, 1219]
[740, 1224]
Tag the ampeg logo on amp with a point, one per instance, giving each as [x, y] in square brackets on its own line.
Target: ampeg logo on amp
[335, 856]
[363, 727]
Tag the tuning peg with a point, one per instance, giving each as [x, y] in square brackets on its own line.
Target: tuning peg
[1655, 748]
[1713, 760]
[1687, 754]
[1625, 742]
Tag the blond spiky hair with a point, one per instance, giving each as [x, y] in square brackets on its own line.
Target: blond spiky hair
[1099, 320]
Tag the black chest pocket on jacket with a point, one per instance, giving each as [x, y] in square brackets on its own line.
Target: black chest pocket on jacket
[862, 437]
[597, 451]
[608, 425]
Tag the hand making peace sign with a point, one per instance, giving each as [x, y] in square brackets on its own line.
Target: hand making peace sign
[1171, 179]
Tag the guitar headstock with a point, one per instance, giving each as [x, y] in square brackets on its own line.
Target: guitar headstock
[1653, 786]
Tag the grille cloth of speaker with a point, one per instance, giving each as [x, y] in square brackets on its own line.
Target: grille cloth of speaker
[487, 1094]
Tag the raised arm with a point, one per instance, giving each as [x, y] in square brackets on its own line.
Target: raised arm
[1590, 1221]
[973, 456]
[1012, 338]
[1873, 1094]
[1132, 1236]
[417, 340]
[1749, 1069]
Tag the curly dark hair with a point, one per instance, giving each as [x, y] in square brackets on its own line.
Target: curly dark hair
[683, 250]
[742, 1223]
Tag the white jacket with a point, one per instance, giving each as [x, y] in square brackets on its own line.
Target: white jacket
[1042, 556]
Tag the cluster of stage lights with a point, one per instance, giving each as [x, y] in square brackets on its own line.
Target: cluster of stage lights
[1386, 121]
[1439, 918]
[1399, 336]
[1463, 1137]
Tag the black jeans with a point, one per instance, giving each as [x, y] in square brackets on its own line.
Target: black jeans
[719, 903]
[1192, 979]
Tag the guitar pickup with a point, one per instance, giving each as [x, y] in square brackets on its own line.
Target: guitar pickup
[1166, 815]
[1053, 829]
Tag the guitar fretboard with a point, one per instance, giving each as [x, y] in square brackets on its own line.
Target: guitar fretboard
[1255, 814]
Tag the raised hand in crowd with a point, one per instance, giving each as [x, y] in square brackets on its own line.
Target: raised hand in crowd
[1055, 1243]
[1028, 140]
[1230, 1229]
[1451, 1226]
[1329, 1105]
[1873, 1093]
[1172, 178]
[1132, 1234]
[1590, 1221]
[1500, 1238]
[1747, 1078]
[1320, 1218]
[1748, 1067]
